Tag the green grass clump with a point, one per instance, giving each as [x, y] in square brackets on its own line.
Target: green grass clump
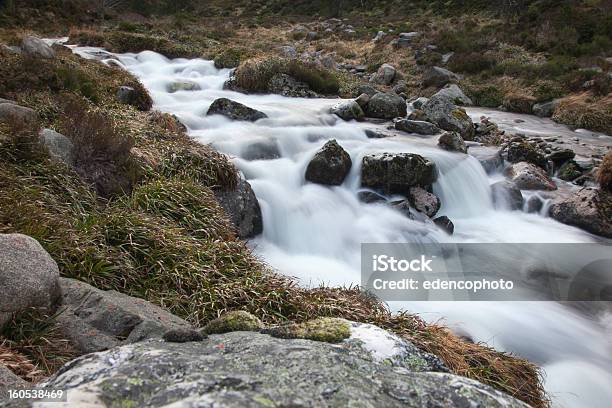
[237, 320]
[228, 58]
[489, 96]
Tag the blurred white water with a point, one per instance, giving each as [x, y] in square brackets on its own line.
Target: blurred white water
[314, 232]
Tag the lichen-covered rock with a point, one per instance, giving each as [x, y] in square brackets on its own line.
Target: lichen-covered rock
[395, 173]
[95, 320]
[29, 278]
[506, 195]
[589, 209]
[561, 156]
[348, 110]
[437, 76]
[417, 126]
[35, 47]
[454, 94]
[386, 106]
[286, 85]
[330, 165]
[326, 329]
[255, 370]
[237, 320]
[242, 207]
[449, 116]
[528, 176]
[569, 171]
[8, 380]
[234, 110]
[418, 103]
[424, 201]
[59, 146]
[452, 142]
[385, 75]
[525, 152]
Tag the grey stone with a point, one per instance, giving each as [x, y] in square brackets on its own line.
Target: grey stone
[401, 87]
[545, 109]
[12, 112]
[523, 151]
[528, 176]
[445, 224]
[2, 100]
[589, 209]
[367, 89]
[452, 142]
[257, 370]
[9, 381]
[534, 204]
[13, 49]
[379, 36]
[385, 75]
[28, 276]
[454, 94]
[395, 173]
[183, 85]
[286, 85]
[363, 100]
[330, 165]
[234, 110]
[449, 116]
[370, 197]
[59, 146]
[419, 102]
[183, 336]
[35, 47]
[386, 106]
[288, 51]
[506, 195]
[417, 126]
[424, 201]
[135, 97]
[348, 110]
[94, 320]
[561, 156]
[243, 209]
[489, 157]
[437, 76]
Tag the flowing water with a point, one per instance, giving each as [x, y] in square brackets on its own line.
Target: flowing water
[314, 232]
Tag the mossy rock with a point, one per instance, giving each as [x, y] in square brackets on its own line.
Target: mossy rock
[325, 329]
[569, 171]
[237, 320]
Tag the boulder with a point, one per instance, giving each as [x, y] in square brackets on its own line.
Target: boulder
[561, 156]
[490, 157]
[286, 85]
[569, 171]
[234, 110]
[9, 381]
[95, 320]
[375, 134]
[20, 114]
[370, 197]
[424, 201]
[452, 142]
[59, 146]
[29, 277]
[367, 89]
[243, 209]
[528, 176]
[506, 195]
[401, 87]
[379, 36]
[137, 97]
[417, 126]
[183, 86]
[329, 166]
[35, 47]
[288, 51]
[241, 369]
[385, 75]
[405, 40]
[445, 224]
[449, 116]
[589, 209]
[534, 204]
[395, 173]
[236, 320]
[522, 151]
[386, 106]
[363, 100]
[2, 100]
[438, 77]
[545, 109]
[348, 110]
[454, 94]
[419, 102]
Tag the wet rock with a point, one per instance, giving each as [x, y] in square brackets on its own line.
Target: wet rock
[386, 106]
[374, 134]
[523, 151]
[534, 204]
[262, 150]
[417, 126]
[437, 76]
[449, 116]
[283, 84]
[489, 157]
[243, 209]
[59, 146]
[589, 209]
[507, 196]
[234, 110]
[454, 94]
[419, 102]
[370, 197]
[569, 171]
[528, 176]
[545, 109]
[418, 114]
[183, 86]
[452, 142]
[395, 173]
[445, 224]
[330, 165]
[20, 114]
[95, 320]
[237, 320]
[183, 336]
[561, 156]
[385, 75]
[35, 47]
[29, 278]
[348, 110]
[424, 201]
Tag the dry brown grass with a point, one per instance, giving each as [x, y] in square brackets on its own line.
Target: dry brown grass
[586, 111]
[604, 174]
[19, 364]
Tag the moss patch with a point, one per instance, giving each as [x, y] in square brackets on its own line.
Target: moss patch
[327, 329]
[233, 321]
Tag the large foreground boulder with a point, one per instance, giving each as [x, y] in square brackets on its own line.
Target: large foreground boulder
[452, 142]
[234, 110]
[395, 173]
[454, 94]
[330, 165]
[95, 320]
[448, 116]
[29, 277]
[528, 176]
[243, 209]
[589, 209]
[386, 106]
[244, 369]
[522, 151]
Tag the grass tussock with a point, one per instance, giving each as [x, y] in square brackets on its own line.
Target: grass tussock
[586, 111]
[604, 174]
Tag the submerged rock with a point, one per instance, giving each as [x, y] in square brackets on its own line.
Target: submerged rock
[183, 86]
[370, 197]
[452, 142]
[490, 157]
[589, 209]
[262, 150]
[243, 209]
[241, 369]
[330, 165]
[386, 106]
[417, 126]
[234, 110]
[528, 176]
[445, 224]
[506, 195]
[395, 173]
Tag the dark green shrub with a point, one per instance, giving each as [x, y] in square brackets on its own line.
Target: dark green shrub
[471, 63]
